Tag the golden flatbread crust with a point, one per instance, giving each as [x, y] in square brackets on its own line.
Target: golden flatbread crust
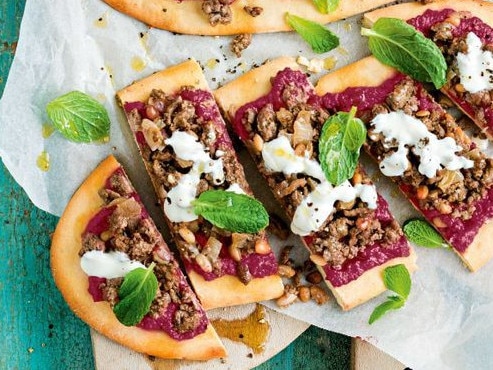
[370, 72]
[480, 9]
[227, 290]
[187, 16]
[73, 282]
[255, 84]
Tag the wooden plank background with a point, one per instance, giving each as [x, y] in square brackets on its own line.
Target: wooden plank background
[38, 330]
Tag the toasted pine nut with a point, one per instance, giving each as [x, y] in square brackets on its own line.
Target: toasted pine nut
[460, 88]
[286, 299]
[234, 252]
[286, 271]
[105, 235]
[257, 143]
[262, 246]
[422, 113]
[422, 192]
[318, 294]
[314, 277]
[203, 262]
[187, 235]
[439, 223]
[304, 294]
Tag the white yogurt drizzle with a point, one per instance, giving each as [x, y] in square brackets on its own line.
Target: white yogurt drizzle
[177, 205]
[108, 265]
[475, 66]
[279, 156]
[406, 133]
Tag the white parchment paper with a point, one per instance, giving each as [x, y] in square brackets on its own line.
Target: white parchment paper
[85, 45]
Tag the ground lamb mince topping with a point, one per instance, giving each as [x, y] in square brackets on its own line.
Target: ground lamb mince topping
[123, 228]
[450, 30]
[192, 117]
[293, 111]
[458, 201]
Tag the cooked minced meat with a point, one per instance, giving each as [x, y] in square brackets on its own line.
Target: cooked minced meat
[240, 43]
[218, 11]
[448, 189]
[351, 227]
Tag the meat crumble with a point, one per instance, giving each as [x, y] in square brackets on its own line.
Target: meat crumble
[449, 192]
[130, 232]
[352, 226]
[199, 241]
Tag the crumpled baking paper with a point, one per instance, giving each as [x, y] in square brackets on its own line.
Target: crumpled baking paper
[85, 45]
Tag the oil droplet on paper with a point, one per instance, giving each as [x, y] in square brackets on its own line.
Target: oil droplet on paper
[102, 22]
[43, 161]
[47, 130]
[138, 64]
[252, 331]
[330, 63]
[212, 63]
[347, 26]
[342, 51]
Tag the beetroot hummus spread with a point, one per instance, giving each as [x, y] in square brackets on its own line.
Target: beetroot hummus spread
[353, 238]
[123, 225]
[193, 114]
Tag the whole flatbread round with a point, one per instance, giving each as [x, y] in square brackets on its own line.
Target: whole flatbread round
[73, 282]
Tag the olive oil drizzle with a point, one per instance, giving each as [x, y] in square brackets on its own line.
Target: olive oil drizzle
[253, 330]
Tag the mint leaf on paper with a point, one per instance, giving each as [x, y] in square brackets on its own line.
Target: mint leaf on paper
[136, 294]
[237, 213]
[423, 234]
[316, 35]
[326, 6]
[339, 146]
[392, 303]
[397, 44]
[79, 117]
[397, 279]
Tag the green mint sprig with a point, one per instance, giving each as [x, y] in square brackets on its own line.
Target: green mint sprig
[136, 294]
[79, 117]
[326, 6]
[339, 146]
[316, 35]
[397, 44]
[237, 213]
[397, 279]
[423, 234]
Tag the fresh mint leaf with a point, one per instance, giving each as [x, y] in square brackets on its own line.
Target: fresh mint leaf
[392, 303]
[326, 6]
[397, 279]
[79, 117]
[423, 234]
[339, 146]
[237, 213]
[316, 35]
[396, 43]
[136, 294]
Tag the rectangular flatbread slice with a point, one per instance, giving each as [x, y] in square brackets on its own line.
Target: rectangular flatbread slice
[420, 146]
[186, 150]
[463, 30]
[103, 232]
[219, 17]
[348, 230]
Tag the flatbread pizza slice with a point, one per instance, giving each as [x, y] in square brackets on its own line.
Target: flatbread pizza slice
[229, 17]
[420, 146]
[187, 152]
[348, 229]
[463, 30]
[104, 235]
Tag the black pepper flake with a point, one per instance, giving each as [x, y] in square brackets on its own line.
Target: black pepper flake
[250, 355]
[165, 10]
[141, 34]
[240, 336]
[100, 19]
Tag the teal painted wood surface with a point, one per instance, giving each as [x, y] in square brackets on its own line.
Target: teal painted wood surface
[38, 329]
